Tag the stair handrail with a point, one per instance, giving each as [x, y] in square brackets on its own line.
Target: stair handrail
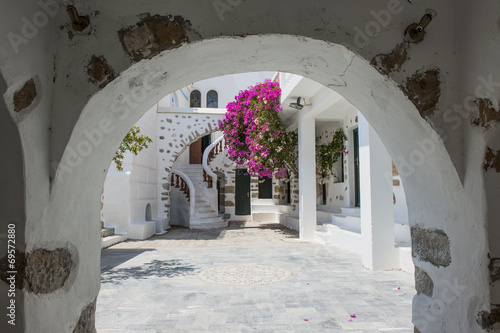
[206, 168]
[192, 191]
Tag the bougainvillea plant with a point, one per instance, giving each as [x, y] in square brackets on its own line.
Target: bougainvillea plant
[255, 134]
[328, 154]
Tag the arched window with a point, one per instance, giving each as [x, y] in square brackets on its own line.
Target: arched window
[212, 99]
[195, 99]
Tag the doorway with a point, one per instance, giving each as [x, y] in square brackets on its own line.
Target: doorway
[242, 195]
[355, 142]
[197, 148]
[265, 188]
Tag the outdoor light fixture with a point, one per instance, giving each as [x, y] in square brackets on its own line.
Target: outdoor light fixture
[416, 31]
[79, 23]
[298, 105]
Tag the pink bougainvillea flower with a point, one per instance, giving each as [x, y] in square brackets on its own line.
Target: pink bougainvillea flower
[255, 134]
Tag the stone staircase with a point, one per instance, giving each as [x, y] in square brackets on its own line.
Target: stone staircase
[108, 236]
[205, 217]
[264, 210]
[342, 229]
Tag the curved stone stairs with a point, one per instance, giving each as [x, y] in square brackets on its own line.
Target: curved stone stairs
[205, 217]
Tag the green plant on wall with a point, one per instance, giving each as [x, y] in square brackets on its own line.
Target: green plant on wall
[328, 154]
[133, 142]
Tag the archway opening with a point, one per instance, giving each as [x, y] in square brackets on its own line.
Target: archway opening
[331, 65]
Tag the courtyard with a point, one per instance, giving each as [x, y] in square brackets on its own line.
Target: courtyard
[249, 277]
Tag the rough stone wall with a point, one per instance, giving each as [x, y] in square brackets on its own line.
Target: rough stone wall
[86, 322]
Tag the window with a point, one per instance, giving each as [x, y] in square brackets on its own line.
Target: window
[212, 99]
[195, 99]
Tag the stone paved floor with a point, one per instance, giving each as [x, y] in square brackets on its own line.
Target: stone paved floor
[152, 286]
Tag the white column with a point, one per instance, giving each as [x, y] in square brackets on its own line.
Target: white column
[377, 213]
[307, 178]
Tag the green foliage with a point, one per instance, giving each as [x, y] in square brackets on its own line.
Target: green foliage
[134, 143]
[328, 154]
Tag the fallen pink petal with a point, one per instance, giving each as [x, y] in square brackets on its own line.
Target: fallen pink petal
[353, 316]
[350, 319]
[305, 319]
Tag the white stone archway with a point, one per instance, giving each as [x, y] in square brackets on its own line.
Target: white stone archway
[436, 199]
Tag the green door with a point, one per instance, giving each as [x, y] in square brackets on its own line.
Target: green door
[357, 199]
[242, 192]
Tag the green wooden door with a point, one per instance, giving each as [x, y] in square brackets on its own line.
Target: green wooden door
[242, 195]
[357, 199]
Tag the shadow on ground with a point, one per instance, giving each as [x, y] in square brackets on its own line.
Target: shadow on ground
[154, 269]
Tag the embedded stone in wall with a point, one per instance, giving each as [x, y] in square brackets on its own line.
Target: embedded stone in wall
[47, 270]
[431, 245]
[229, 204]
[386, 63]
[487, 320]
[100, 73]
[230, 189]
[25, 96]
[487, 115]
[492, 160]
[394, 170]
[494, 268]
[86, 323]
[396, 182]
[423, 89]
[255, 195]
[423, 282]
[393, 198]
[154, 34]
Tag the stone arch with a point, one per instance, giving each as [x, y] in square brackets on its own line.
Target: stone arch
[170, 124]
[437, 203]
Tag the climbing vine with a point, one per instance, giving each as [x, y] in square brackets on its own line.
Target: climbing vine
[133, 142]
[255, 134]
[328, 154]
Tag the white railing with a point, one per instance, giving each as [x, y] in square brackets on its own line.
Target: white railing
[210, 153]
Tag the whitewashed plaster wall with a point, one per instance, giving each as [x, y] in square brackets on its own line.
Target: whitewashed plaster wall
[338, 193]
[226, 86]
[128, 192]
[451, 183]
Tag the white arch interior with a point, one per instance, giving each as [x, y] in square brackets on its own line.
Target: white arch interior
[434, 192]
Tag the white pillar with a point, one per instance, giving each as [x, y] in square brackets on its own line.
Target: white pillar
[377, 213]
[307, 178]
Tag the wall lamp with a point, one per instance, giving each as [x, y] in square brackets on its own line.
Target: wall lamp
[298, 105]
[416, 31]
[79, 23]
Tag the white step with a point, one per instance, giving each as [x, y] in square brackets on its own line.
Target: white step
[207, 223]
[206, 214]
[203, 209]
[265, 216]
[351, 211]
[265, 208]
[112, 240]
[350, 223]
